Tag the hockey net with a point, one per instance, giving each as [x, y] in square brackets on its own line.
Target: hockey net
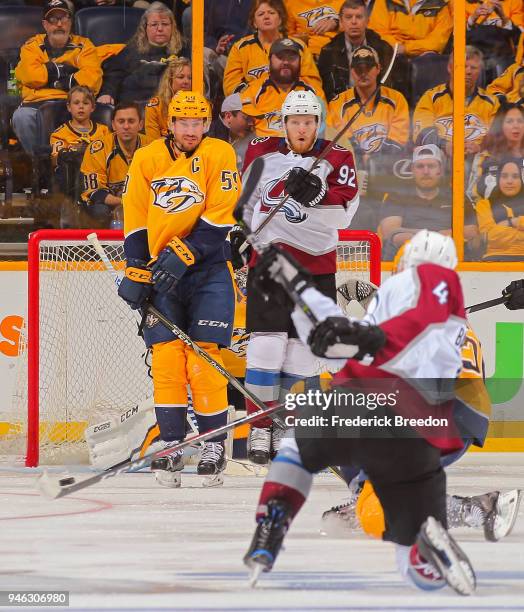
[81, 360]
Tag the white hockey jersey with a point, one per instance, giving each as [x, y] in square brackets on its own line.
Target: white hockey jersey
[309, 234]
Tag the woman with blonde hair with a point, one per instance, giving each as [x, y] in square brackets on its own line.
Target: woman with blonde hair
[135, 72]
[249, 57]
[176, 77]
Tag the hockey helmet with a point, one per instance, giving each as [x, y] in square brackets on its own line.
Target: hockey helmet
[427, 247]
[189, 104]
[301, 103]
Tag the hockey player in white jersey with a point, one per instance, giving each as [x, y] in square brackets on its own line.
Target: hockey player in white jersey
[307, 226]
[409, 339]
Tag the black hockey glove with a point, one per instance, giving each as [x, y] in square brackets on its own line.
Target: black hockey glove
[237, 237]
[171, 264]
[340, 337]
[136, 286]
[305, 188]
[515, 293]
[60, 75]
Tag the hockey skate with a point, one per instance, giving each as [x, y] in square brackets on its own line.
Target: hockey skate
[342, 519]
[212, 464]
[167, 470]
[259, 445]
[268, 538]
[436, 547]
[277, 433]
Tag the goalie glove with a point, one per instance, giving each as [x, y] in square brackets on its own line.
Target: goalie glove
[171, 264]
[515, 293]
[306, 188]
[136, 286]
[339, 337]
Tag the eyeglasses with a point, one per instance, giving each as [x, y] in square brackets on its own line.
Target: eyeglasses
[58, 18]
[162, 24]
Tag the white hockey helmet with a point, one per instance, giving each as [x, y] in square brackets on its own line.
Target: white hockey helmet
[427, 247]
[301, 103]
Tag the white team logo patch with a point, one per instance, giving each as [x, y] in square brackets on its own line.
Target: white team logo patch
[272, 195]
[176, 194]
[315, 15]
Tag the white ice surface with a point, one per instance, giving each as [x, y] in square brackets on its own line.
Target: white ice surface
[129, 544]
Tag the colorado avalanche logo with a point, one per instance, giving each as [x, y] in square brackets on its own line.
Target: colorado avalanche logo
[272, 195]
[176, 194]
[317, 14]
[371, 137]
[257, 72]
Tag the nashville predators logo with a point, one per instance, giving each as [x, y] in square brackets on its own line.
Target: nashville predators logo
[274, 121]
[474, 129]
[371, 137]
[176, 194]
[317, 14]
[272, 195]
[257, 72]
[445, 126]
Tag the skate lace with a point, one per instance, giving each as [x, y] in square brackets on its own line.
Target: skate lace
[212, 452]
[260, 438]
[272, 528]
[424, 567]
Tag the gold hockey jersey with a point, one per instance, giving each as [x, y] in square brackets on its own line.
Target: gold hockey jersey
[303, 16]
[155, 119]
[248, 60]
[384, 121]
[435, 109]
[509, 84]
[68, 137]
[170, 195]
[104, 168]
[33, 73]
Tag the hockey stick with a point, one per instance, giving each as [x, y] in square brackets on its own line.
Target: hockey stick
[327, 150]
[53, 489]
[487, 304]
[95, 243]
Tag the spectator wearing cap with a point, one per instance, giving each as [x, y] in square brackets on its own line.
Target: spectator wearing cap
[263, 98]
[249, 57]
[417, 27]
[433, 116]
[383, 125]
[134, 74]
[50, 65]
[501, 216]
[234, 126]
[334, 60]
[176, 77]
[314, 21]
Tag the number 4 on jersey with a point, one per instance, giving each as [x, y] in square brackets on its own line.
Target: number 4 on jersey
[441, 291]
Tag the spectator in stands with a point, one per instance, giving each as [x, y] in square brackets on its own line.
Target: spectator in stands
[69, 141]
[134, 74]
[234, 126]
[505, 137]
[417, 27]
[314, 21]
[509, 85]
[105, 164]
[334, 60]
[50, 65]
[249, 57]
[263, 98]
[383, 125]
[494, 27]
[433, 116]
[176, 77]
[501, 217]
[225, 22]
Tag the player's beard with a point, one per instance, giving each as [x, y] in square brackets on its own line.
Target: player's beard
[302, 146]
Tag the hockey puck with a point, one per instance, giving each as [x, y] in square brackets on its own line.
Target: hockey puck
[63, 482]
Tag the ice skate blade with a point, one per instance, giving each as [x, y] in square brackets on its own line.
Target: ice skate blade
[216, 480]
[458, 574]
[170, 480]
[49, 486]
[256, 570]
[507, 509]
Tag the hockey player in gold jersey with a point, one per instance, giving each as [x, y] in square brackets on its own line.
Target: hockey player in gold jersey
[178, 202]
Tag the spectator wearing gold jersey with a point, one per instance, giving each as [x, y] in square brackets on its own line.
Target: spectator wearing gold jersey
[50, 65]
[106, 162]
[134, 74]
[314, 21]
[176, 77]
[263, 98]
[383, 125]
[249, 57]
[501, 216]
[433, 116]
[509, 86]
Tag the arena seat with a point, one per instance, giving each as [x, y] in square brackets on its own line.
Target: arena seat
[17, 24]
[105, 25]
[427, 71]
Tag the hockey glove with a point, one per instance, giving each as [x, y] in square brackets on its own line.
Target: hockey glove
[136, 286]
[305, 188]
[340, 337]
[171, 264]
[60, 75]
[237, 237]
[515, 293]
[277, 266]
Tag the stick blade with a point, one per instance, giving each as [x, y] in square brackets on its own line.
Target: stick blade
[49, 486]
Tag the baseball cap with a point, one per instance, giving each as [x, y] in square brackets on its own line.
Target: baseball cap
[365, 55]
[284, 44]
[231, 103]
[429, 151]
[56, 5]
